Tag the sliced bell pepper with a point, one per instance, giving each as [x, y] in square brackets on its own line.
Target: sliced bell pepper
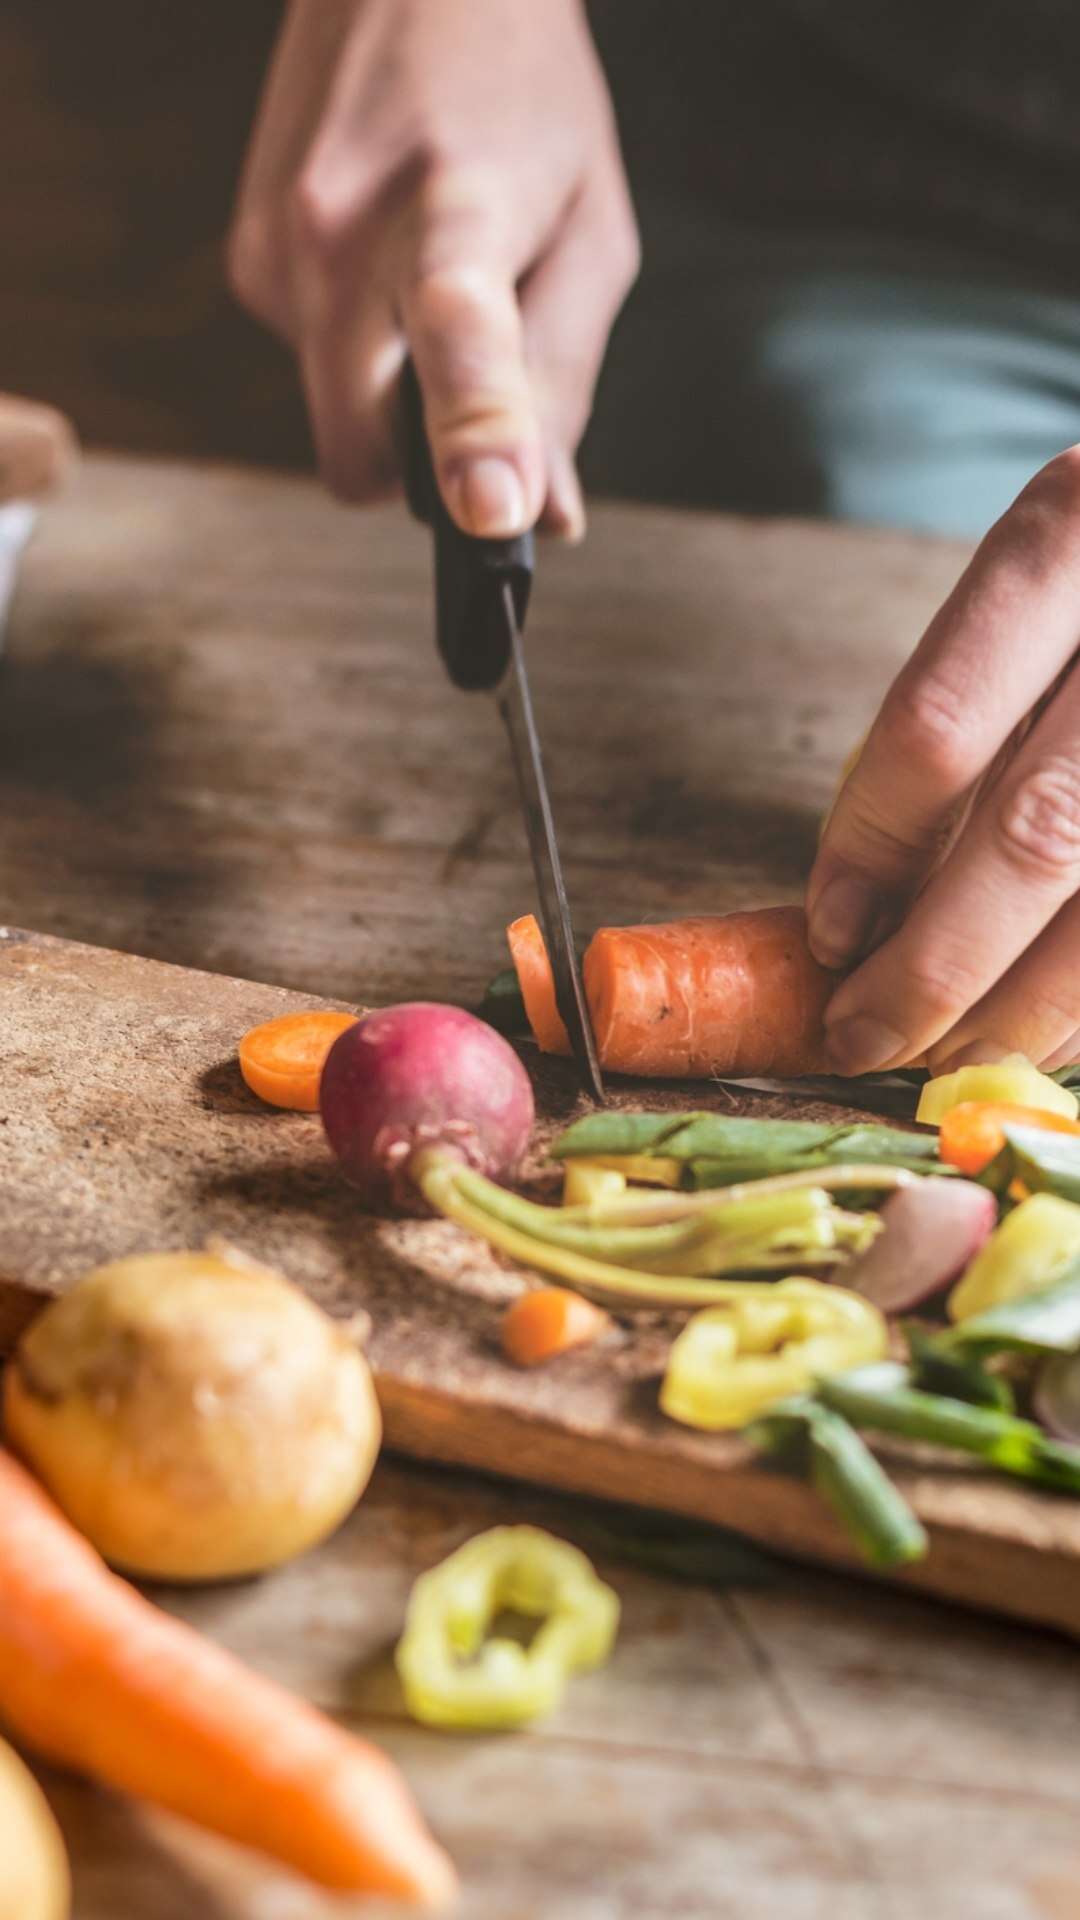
[1028, 1251]
[455, 1674]
[584, 1184]
[1014, 1081]
[731, 1362]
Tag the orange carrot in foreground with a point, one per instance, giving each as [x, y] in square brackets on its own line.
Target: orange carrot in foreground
[282, 1061]
[549, 1321]
[95, 1677]
[973, 1134]
[733, 993]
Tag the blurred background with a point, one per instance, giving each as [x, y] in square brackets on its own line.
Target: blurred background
[861, 293]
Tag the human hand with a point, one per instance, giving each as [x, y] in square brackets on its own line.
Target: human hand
[977, 748]
[441, 178]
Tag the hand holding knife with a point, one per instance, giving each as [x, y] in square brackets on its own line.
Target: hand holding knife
[482, 592]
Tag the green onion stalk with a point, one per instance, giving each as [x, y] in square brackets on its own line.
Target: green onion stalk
[816, 1442]
[883, 1399]
[646, 1265]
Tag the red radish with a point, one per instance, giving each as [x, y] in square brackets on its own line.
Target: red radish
[423, 1075]
[933, 1228]
[1057, 1397]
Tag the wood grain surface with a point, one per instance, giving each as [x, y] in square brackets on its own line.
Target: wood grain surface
[225, 742]
[222, 742]
[801, 1746]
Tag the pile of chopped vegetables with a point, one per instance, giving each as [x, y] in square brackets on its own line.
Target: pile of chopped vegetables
[792, 1241]
[795, 1243]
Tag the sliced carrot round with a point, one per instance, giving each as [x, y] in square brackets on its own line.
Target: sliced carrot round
[537, 983]
[549, 1321]
[973, 1133]
[282, 1061]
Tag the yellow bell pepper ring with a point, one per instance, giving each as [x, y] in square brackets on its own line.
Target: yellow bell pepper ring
[455, 1674]
[731, 1362]
[1014, 1081]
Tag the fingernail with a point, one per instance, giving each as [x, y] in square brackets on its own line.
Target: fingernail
[861, 1044]
[487, 496]
[843, 918]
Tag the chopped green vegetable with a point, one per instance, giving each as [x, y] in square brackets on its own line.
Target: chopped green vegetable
[451, 1189]
[1047, 1321]
[455, 1675]
[882, 1398]
[938, 1367]
[770, 1232]
[810, 1439]
[716, 1150]
[1045, 1163]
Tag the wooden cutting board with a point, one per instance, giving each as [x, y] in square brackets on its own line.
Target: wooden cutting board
[125, 1126]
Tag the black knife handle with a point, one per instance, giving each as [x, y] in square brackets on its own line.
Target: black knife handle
[470, 619]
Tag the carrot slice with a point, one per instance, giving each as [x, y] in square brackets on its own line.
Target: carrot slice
[537, 983]
[95, 1677]
[735, 993]
[549, 1321]
[282, 1061]
[973, 1133]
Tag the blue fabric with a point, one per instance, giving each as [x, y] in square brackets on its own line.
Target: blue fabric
[886, 384]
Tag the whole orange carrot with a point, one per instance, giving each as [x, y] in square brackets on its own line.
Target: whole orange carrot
[732, 993]
[95, 1677]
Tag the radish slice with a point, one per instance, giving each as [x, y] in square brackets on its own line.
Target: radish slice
[932, 1229]
[1057, 1397]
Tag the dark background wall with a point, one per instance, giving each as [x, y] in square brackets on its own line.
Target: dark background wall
[122, 124]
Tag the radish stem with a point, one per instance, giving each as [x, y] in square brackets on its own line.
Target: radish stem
[437, 1174]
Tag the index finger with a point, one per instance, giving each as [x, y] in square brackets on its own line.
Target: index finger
[461, 315]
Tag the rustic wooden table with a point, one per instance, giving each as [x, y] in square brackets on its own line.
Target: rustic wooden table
[223, 742]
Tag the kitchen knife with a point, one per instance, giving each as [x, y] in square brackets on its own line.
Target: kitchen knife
[482, 592]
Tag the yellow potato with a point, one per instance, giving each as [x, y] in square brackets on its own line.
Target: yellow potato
[34, 1880]
[194, 1414]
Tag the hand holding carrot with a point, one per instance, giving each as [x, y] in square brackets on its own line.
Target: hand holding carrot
[977, 744]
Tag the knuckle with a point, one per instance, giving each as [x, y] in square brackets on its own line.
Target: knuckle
[943, 983]
[443, 297]
[318, 215]
[1038, 823]
[868, 830]
[928, 732]
[355, 473]
[1050, 1010]
[1057, 485]
[457, 210]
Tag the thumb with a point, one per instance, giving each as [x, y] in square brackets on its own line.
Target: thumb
[465, 333]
